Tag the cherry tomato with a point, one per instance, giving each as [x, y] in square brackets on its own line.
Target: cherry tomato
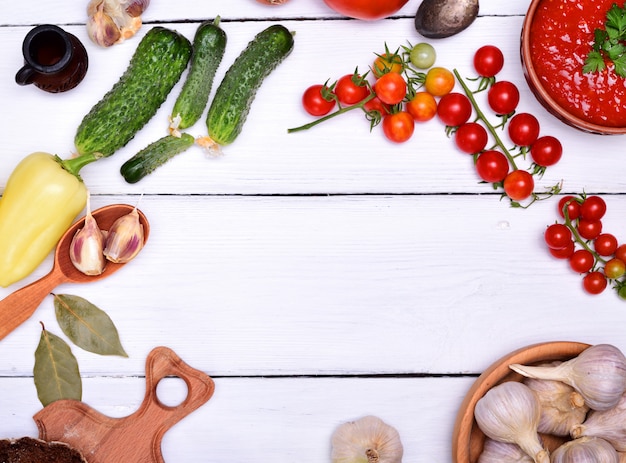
[563, 253]
[503, 97]
[398, 127]
[390, 88]
[523, 129]
[454, 109]
[423, 55]
[492, 166]
[385, 63]
[620, 252]
[423, 107]
[594, 282]
[366, 9]
[376, 105]
[519, 185]
[348, 91]
[614, 268]
[605, 244]
[314, 102]
[593, 208]
[488, 61]
[471, 137]
[581, 261]
[589, 229]
[439, 81]
[546, 151]
[557, 236]
[573, 207]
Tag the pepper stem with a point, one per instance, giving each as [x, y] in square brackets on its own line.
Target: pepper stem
[74, 165]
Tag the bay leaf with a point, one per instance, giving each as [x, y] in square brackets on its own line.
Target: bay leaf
[56, 371]
[87, 326]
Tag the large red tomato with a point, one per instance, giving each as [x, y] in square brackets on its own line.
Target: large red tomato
[366, 9]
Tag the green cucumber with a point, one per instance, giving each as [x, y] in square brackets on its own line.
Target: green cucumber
[156, 66]
[233, 98]
[154, 155]
[209, 45]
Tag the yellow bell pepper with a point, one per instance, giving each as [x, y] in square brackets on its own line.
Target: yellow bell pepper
[42, 197]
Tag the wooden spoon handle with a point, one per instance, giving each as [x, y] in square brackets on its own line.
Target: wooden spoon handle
[18, 306]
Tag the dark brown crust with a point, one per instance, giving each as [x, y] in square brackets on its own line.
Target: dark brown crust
[29, 450]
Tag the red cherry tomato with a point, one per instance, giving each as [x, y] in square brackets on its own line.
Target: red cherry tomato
[595, 282]
[471, 137]
[390, 88]
[605, 244]
[546, 151]
[620, 252]
[503, 97]
[557, 236]
[492, 166]
[519, 185]
[423, 107]
[366, 9]
[563, 253]
[350, 92]
[523, 129]
[398, 127]
[488, 61]
[581, 261]
[593, 208]
[589, 229]
[454, 109]
[573, 207]
[314, 102]
[376, 105]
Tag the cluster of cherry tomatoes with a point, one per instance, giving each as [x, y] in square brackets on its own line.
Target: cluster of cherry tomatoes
[590, 251]
[497, 163]
[399, 90]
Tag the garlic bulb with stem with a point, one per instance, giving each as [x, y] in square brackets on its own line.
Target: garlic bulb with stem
[366, 440]
[502, 452]
[510, 412]
[585, 450]
[598, 373]
[86, 248]
[610, 425]
[561, 406]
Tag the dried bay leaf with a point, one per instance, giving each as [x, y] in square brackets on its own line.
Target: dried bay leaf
[87, 326]
[56, 372]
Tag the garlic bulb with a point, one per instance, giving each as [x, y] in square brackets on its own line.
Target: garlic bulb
[598, 374]
[561, 406]
[610, 425]
[502, 452]
[510, 413]
[87, 245]
[366, 440]
[125, 238]
[113, 21]
[585, 450]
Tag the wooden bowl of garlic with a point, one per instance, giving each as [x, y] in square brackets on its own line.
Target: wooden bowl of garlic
[468, 440]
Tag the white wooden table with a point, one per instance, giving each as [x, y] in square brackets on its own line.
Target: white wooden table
[318, 276]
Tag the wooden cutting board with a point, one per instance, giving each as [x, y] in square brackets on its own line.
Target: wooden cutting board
[135, 438]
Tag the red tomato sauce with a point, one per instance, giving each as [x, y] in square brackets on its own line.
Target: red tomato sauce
[561, 36]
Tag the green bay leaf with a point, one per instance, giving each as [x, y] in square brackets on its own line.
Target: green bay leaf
[56, 371]
[87, 326]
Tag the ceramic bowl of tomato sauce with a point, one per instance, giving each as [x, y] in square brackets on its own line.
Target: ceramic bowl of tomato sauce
[557, 36]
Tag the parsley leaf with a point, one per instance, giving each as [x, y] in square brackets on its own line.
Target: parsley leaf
[609, 43]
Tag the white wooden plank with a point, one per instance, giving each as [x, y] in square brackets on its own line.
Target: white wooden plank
[273, 419]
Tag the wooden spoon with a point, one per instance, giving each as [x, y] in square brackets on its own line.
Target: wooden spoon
[17, 307]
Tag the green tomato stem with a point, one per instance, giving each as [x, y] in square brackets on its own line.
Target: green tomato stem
[343, 110]
[577, 237]
[483, 118]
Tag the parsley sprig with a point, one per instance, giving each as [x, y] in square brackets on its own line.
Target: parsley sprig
[609, 43]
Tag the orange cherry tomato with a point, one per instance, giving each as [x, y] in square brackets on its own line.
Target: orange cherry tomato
[423, 107]
[390, 88]
[387, 63]
[398, 127]
[439, 81]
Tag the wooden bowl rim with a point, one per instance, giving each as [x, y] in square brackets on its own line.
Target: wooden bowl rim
[496, 372]
[540, 92]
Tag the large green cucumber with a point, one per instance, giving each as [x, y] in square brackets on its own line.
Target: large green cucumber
[156, 66]
[209, 44]
[233, 98]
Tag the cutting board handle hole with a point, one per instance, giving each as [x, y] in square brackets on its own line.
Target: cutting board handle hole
[171, 391]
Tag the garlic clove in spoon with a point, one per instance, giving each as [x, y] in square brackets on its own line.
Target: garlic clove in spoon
[598, 374]
[585, 449]
[510, 412]
[87, 246]
[366, 440]
[609, 425]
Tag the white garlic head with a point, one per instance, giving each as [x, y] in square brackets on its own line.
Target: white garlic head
[502, 452]
[510, 412]
[366, 440]
[585, 450]
[610, 425]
